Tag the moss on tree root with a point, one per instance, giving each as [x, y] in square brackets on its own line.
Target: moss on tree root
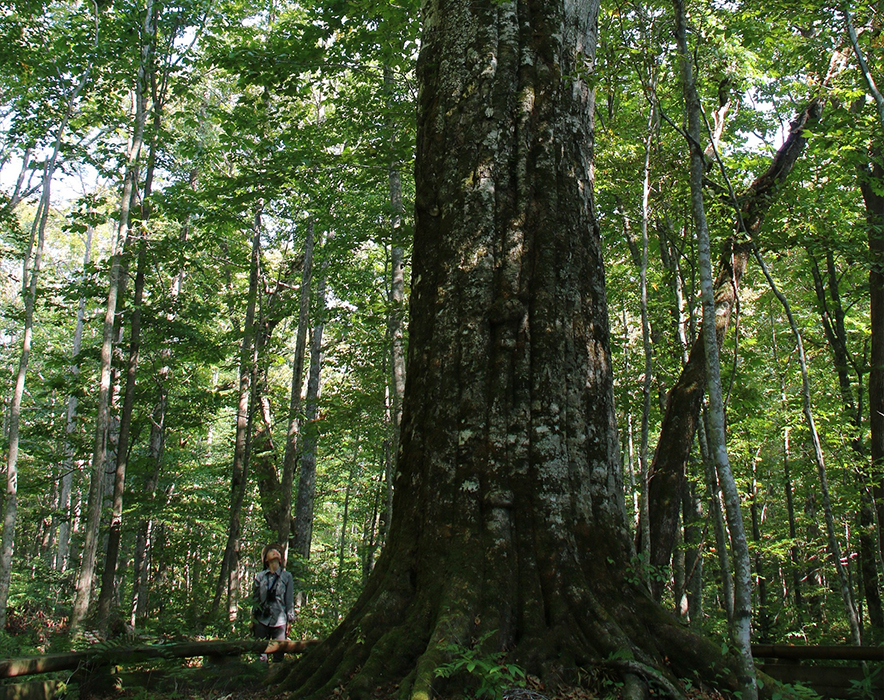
[628, 634]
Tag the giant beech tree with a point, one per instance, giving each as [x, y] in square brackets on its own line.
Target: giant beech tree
[508, 518]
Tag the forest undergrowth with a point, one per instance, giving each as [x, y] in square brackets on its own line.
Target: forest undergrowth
[31, 632]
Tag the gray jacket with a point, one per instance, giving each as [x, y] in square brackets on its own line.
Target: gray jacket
[273, 598]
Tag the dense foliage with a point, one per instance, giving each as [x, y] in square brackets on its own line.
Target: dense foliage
[268, 125]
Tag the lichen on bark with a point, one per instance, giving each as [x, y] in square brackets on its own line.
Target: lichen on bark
[509, 516]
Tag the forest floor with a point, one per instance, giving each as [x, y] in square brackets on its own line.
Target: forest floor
[250, 679]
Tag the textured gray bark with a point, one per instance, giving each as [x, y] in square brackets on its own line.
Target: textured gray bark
[508, 515]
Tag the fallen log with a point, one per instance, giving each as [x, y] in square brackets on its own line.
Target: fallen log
[11, 668]
[835, 652]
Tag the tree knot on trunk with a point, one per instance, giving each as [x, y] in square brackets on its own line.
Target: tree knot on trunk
[499, 498]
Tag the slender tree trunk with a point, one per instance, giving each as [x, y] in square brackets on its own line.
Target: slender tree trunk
[756, 510]
[20, 190]
[303, 532]
[228, 576]
[635, 490]
[870, 183]
[832, 315]
[112, 550]
[683, 403]
[156, 447]
[834, 547]
[395, 330]
[116, 284]
[345, 524]
[293, 431]
[871, 179]
[30, 280]
[788, 488]
[742, 620]
[793, 529]
[694, 537]
[396, 313]
[115, 531]
[103, 418]
[31, 269]
[70, 464]
[654, 582]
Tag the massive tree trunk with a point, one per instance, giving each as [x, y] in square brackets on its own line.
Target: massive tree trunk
[508, 515]
[683, 403]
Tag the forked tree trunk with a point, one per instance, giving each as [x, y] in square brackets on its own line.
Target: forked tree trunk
[683, 403]
[508, 515]
[275, 496]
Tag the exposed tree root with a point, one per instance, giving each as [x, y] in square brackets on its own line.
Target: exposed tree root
[389, 641]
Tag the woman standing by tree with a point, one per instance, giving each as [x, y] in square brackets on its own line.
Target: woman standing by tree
[273, 599]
